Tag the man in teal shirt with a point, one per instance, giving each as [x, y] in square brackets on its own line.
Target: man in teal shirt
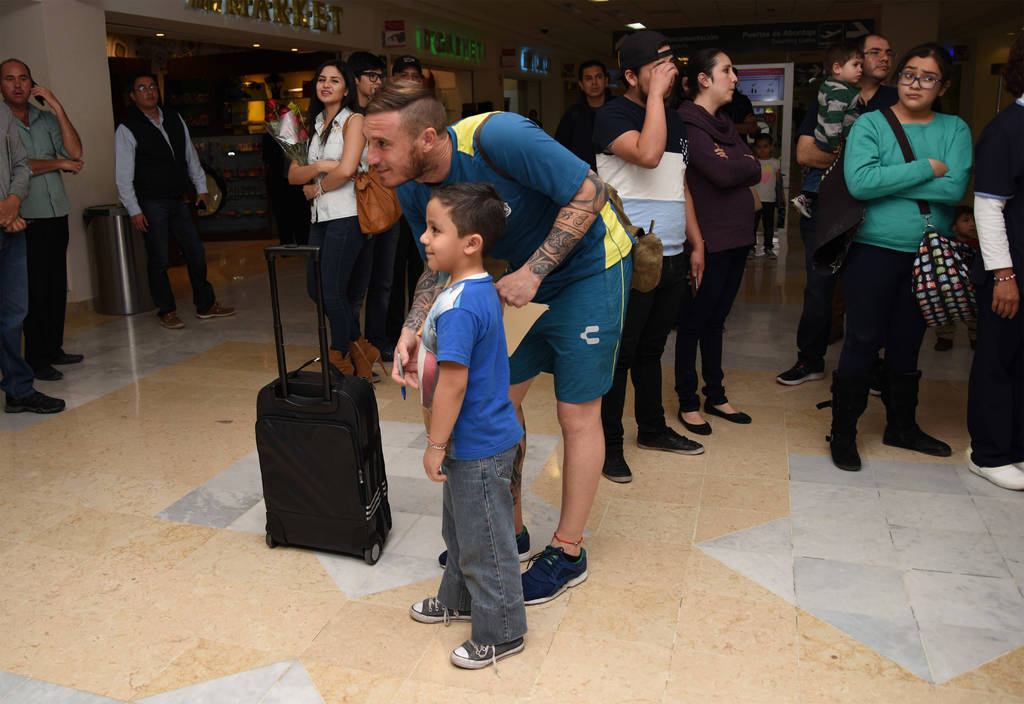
[53, 146]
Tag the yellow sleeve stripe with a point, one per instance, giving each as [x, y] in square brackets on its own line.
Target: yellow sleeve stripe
[465, 129]
[617, 243]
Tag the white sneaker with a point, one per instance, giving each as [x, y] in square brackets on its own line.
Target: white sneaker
[1008, 476]
[802, 205]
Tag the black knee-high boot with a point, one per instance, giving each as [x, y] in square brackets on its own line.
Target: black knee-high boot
[849, 399]
[901, 430]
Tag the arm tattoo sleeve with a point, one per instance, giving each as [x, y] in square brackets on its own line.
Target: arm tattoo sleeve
[571, 223]
[426, 291]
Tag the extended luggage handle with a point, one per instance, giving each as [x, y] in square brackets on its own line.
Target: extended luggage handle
[308, 251]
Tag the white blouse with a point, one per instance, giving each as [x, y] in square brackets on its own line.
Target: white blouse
[341, 201]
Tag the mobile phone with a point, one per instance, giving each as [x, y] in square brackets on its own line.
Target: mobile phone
[401, 373]
[39, 98]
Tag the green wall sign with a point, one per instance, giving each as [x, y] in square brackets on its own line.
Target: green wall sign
[450, 45]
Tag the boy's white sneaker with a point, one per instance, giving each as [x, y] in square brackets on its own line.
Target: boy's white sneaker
[801, 205]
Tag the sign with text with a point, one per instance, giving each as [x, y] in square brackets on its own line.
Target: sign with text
[449, 44]
[394, 33]
[316, 15]
[794, 36]
[765, 85]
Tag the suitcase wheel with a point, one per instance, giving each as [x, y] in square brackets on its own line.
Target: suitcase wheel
[271, 543]
[372, 553]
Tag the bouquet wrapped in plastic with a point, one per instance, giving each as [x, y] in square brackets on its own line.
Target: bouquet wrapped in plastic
[286, 126]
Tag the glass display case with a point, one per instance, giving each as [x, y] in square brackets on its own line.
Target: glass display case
[237, 162]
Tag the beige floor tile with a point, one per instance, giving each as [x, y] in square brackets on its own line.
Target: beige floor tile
[517, 673]
[425, 692]
[127, 538]
[730, 626]
[245, 557]
[206, 660]
[602, 671]
[670, 486]
[25, 520]
[638, 614]
[711, 677]
[824, 648]
[768, 495]
[707, 576]
[547, 617]
[715, 521]
[630, 562]
[405, 596]
[113, 492]
[817, 687]
[751, 460]
[359, 633]
[638, 519]
[343, 685]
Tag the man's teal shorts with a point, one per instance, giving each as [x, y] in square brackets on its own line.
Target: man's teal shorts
[577, 338]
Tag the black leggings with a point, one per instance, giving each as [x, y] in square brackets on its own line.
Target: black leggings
[881, 311]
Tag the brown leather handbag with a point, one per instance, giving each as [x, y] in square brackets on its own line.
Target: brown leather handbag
[376, 204]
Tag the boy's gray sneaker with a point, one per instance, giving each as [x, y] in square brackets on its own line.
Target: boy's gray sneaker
[473, 656]
[433, 611]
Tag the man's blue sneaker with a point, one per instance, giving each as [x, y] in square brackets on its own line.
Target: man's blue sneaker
[551, 573]
[522, 547]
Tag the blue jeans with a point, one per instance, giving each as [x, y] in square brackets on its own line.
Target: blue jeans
[372, 281]
[17, 381]
[649, 319]
[340, 242]
[482, 574]
[172, 215]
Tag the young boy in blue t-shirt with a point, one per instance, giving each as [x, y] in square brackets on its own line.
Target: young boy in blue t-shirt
[473, 430]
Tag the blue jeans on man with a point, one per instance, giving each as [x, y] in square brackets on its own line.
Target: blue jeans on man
[172, 216]
[17, 374]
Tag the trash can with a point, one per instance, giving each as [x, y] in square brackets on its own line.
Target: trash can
[120, 256]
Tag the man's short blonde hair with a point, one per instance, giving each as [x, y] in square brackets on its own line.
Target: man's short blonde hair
[416, 104]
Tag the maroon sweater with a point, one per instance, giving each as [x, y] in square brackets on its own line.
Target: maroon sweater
[720, 188]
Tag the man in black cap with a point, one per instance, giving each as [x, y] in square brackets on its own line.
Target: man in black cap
[407, 68]
[642, 153]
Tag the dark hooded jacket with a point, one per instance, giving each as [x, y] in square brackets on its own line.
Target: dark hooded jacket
[720, 188]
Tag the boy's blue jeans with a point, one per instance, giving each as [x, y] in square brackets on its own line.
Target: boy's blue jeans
[482, 574]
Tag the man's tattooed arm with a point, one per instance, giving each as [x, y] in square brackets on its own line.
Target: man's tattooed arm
[571, 223]
[423, 297]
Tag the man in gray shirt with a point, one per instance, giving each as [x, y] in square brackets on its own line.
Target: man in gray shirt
[14, 180]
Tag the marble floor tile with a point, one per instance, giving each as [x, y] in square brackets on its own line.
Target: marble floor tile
[949, 551]
[211, 507]
[844, 503]
[897, 640]
[983, 487]
[953, 650]
[772, 571]
[929, 511]
[1012, 551]
[32, 691]
[853, 588]
[990, 603]
[819, 469]
[864, 539]
[9, 682]
[252, 521]
[294, 687]
[1003, 516]
[918, 476]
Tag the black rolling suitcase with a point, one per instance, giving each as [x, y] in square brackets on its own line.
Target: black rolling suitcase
[318, 437]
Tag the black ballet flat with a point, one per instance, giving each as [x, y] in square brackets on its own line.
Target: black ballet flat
[697, 429]
[741, 418]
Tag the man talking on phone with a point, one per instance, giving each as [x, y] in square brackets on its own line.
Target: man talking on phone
[642, 153]
[155, 162]
[53, 146]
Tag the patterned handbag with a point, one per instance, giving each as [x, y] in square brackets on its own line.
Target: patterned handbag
[940, 280]
[941, 283]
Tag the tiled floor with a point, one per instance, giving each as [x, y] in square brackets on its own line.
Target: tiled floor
[133, 567]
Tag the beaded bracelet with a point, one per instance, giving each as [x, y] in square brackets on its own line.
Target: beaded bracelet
[434, 446]
[1011, 277]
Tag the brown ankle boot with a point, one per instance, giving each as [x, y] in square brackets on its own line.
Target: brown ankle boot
[364, 355]
[343, 362]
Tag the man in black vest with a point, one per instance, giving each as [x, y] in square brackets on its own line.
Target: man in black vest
[155, 161]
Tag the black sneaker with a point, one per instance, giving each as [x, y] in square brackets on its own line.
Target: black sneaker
[670, 441]
[473, 656]
[35, 403]
[433, 611]
[522, 547]
[798, 374]
[615, 468]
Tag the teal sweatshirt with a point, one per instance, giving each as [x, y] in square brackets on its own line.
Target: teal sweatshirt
[877, 173]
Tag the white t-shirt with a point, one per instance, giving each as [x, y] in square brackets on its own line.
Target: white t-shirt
[341, 201]
[769, 177]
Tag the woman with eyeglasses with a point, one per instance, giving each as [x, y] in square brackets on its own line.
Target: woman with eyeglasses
[335, 148]
[881, 307]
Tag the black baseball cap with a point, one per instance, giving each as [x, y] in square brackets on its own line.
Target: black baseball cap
[404, 62]
[641, 48]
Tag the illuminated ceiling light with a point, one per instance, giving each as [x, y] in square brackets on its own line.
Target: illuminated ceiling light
[160, 34]
[294, 48]
[636, 25]
[256, 45]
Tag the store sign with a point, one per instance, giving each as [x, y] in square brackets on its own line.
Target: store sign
[394, 33]
[531, 61]
[794, 36]
[316, 15]
[448, 44]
